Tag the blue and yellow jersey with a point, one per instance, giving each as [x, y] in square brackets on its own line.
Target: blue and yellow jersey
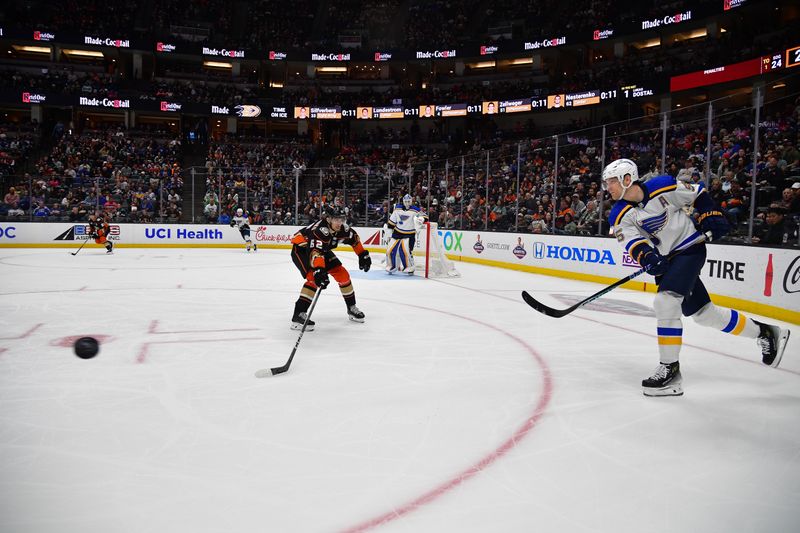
[659, 220]
[402, 222]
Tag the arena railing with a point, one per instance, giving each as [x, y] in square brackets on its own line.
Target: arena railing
[740, 146]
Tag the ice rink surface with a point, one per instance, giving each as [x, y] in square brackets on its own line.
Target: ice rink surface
[454, 407]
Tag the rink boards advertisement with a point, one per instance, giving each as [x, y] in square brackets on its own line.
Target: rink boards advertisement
[767, 278]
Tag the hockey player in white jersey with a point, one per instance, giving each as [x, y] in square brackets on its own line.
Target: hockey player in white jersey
[242, 221]
[649, 222]
[404, 222]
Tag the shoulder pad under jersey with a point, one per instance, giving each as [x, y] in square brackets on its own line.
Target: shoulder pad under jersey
[618, 210]
[660, 185]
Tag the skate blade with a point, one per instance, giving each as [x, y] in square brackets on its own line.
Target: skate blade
[354, 319]
[783, 340]
[298, 327]
[671, 390]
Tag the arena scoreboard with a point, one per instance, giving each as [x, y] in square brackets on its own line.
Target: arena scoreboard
[439, 110]
[744, 69]
[319, 113]
[792, 57]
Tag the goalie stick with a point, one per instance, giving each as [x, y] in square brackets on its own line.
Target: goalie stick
[267, 372]
[558, 313]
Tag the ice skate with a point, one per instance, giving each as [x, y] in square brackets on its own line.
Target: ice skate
[665, 381]
[299, 319]
[772, 341]
[355, 314]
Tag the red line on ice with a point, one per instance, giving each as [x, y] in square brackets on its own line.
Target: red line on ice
[144, 349]
[23, 335]
[154, 325]
[521, 432]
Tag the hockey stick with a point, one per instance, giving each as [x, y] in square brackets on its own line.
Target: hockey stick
[267, 372]
[81, 248]
[558, 313]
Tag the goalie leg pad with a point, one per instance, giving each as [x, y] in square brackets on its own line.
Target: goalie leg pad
[397, 256]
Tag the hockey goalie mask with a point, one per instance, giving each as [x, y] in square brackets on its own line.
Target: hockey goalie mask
[619, 169]
[407, 201]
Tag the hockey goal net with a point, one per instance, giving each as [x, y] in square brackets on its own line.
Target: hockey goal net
[429, 258]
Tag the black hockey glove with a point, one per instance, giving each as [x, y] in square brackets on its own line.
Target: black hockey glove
[364, 261]
[714, 222]
[655, 263]
[233, 223]
[321, 278]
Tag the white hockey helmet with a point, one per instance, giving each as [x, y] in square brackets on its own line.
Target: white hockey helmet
[239, 212]
[619, 169]
[407, 201]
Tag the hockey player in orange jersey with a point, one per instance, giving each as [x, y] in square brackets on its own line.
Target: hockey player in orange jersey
[99, 231]
[312, 254]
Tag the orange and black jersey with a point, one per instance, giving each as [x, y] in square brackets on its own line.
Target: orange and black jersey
[319, 239]
[99, 227]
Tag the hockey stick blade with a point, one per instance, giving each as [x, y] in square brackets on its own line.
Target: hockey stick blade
[549, 311]
[558, 313]
[267, 372]
[79, 248]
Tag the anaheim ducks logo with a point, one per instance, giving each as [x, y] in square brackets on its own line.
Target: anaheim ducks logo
[248, 111]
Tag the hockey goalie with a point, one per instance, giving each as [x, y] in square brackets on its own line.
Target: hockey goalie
[405, 222]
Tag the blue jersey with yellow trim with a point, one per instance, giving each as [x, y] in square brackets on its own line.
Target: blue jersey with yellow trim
[402, 222]
[659, 220]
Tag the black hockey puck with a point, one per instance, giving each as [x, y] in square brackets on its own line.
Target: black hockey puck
[86, 347]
